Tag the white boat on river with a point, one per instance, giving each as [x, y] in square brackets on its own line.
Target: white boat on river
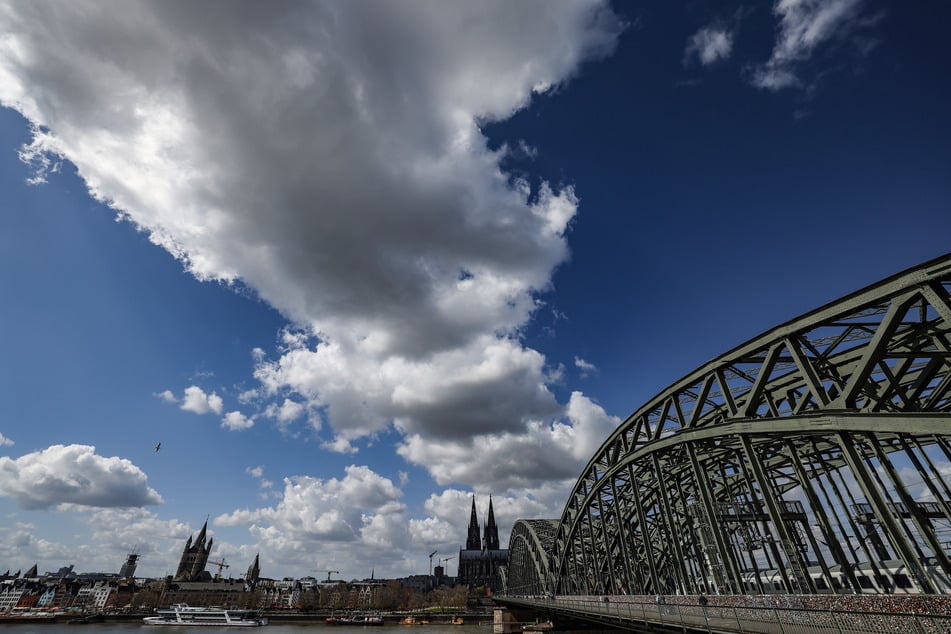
[181, 614]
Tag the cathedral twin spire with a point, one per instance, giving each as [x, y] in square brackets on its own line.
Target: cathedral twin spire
[473, 542]
[490, 538]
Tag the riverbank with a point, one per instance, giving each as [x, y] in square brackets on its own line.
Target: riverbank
[274, 616]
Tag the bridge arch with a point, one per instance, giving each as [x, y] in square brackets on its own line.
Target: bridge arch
[805, 460]
[529, 566]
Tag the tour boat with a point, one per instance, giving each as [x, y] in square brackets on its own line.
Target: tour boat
[373, 619]
[181, 614]
[355, 619]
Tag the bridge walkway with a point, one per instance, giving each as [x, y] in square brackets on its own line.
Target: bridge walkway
[639, 614]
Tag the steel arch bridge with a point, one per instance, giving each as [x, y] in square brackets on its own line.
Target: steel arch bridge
[806, 460]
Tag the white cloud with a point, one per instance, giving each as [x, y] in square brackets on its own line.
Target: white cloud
[339, 444]
[120, 530]
[491, 385]
[255, 472]
[20, 542]
[167, 396]
[236, 421]
[710, 44]
[587, 369]
[526, 150]
[920, 490]
[197, 401]
[331, 158]
[347, 524]
[393, 156]
[358, 523]
[805, 25]
[74, 474]
[4, 441]
[287, 412]
[248, 396]
[529, 459]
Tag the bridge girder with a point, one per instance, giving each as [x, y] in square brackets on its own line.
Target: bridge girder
[529, 565]
[755, 459]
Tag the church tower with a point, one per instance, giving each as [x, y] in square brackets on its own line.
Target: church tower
[473, 541]
[195, 558]
[254, 571]
[491, 530]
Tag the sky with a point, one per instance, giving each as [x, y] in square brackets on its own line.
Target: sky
[357, 264]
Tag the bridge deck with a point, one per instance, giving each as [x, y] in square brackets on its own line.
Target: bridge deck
[641, 614]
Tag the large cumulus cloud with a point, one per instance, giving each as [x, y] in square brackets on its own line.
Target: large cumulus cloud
[74, 475]
[358, 523]
[545, 453]
[344, 523]
[329, 155]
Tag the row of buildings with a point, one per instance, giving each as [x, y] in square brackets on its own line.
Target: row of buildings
[479, 564]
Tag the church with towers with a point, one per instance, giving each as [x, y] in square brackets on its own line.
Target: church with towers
[191, 567]
[480, 560]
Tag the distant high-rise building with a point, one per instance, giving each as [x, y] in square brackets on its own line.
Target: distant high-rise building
[195, 558]
[128, 568]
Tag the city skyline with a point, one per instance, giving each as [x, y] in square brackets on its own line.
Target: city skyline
[321, 273]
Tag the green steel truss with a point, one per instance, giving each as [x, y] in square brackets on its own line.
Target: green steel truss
[531, 543]
[799, 458]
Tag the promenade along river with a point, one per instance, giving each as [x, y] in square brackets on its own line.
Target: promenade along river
[274, 628]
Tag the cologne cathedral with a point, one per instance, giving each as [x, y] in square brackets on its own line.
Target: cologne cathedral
[480, 560]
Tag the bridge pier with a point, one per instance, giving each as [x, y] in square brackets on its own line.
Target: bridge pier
[504, 622]
[508, 621]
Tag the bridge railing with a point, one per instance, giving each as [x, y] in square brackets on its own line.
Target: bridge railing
[761, 620]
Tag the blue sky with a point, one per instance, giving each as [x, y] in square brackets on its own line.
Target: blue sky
[351, 266]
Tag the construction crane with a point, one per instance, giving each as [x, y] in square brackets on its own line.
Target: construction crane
[330, 572]
[431, 562]
[221, 565]
[443, 560]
